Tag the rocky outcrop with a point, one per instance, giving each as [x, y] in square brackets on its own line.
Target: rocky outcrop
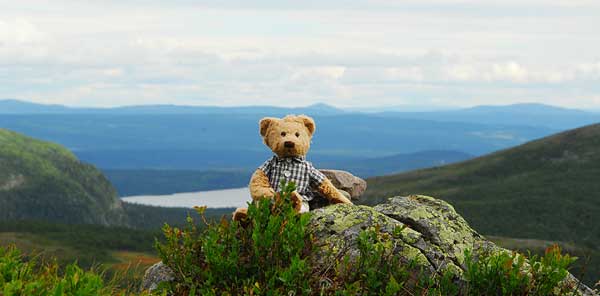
[155, 275]
[347, 182]
[12, 182]
[433, 235]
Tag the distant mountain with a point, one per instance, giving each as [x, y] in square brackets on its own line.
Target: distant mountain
[545, 189]
[525, 114]
[518, 114]
[10, 106]
[231, 141]
[524, 108]
[386, 165]
[44, 181]
[23, 107]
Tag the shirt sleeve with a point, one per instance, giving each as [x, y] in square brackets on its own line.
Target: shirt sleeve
[315, 176]
[267, 166]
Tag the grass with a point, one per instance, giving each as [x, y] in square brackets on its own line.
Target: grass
[33, 276]
[113, 258]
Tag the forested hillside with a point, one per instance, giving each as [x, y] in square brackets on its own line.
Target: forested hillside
[44, 181]
[544, 189]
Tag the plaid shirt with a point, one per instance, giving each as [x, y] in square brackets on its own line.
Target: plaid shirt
[294, 169]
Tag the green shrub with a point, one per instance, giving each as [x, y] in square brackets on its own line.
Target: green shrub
[512, 274]
[30, 278]
[268, 255]
[265, 257]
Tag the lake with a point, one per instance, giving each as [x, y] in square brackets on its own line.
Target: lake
[226, 198]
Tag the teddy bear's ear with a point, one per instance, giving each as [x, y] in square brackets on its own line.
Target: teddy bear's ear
[309, 123]
[265, 123]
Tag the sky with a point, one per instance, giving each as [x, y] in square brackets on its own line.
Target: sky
[347, 53]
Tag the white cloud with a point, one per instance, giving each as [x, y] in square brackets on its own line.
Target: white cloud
[214, 52]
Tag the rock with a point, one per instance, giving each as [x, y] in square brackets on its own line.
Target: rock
[155, 275]
[433, 236]
[347, 182]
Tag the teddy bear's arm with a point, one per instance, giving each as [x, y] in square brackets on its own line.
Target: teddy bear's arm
[260, 186]
[331, 193]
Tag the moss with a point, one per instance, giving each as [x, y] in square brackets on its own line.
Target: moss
[410, 236]
[414, 255]
[344, 217]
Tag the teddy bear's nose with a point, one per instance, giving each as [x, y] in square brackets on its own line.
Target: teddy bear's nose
[289, 144]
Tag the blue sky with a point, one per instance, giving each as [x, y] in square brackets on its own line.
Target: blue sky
[347, 53]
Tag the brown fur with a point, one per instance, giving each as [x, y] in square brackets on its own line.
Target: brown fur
[298, 129]
[331, 193]
[259, 186]
[272, 129]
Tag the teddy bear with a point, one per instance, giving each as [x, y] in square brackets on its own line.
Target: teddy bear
[289, 138]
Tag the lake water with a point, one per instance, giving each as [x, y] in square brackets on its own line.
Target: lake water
[226, 198]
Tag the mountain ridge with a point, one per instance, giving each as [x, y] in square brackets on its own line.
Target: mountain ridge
[12, 106]
[520, 114]
[538, 182]
[15, 106]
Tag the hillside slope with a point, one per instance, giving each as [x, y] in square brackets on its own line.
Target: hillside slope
[369, 167]
[44, 181]
[545, 189]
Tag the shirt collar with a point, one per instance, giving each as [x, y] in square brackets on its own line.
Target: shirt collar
[294, 158]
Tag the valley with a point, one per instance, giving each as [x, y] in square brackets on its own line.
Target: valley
[522, 191]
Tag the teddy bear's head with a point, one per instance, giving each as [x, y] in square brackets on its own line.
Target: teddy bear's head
[289, 136]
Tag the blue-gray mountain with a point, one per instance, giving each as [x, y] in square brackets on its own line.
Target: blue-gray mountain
[229, 140]
[528, 114]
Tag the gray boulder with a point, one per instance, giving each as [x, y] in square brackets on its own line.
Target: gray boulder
[347, 182]
[155, 275]
[434, 235]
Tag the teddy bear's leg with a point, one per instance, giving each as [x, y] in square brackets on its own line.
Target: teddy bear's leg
[331, 193]
[260, 186]
[240, 214]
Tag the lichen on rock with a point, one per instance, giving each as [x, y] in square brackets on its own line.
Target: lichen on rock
[155, 275]
[434, 235]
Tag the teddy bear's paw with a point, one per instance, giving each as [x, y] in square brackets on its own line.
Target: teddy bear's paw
[296, 201]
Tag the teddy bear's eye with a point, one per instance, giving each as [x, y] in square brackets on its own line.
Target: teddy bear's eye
[283, 134]
[297, 134]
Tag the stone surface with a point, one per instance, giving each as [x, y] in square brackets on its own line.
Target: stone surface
[154, 275]
[347, 182]
[432, 235]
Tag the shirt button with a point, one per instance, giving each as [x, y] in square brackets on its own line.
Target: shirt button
[287, 174]
[288, 159]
